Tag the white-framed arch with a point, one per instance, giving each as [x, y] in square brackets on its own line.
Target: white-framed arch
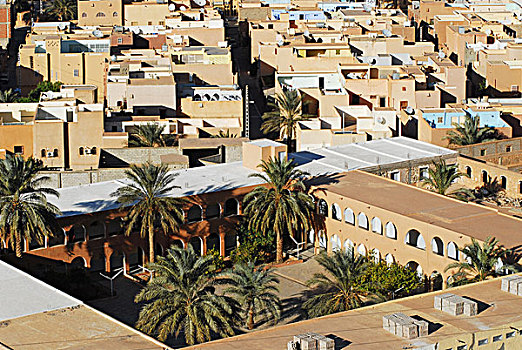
[437, 246]
[362, 221]
[323, 243]
[376, 225]
[391, 230]
[349, 216]
[452, 251]
[361, 249]
[336, 212]
[335, 243]
[414, 238]
[348, 245]
[389, 259]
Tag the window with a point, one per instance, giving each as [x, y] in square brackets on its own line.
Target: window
[120, 40]
[18, 149]
[423, 173]
[483, 152]
[483, 342]
[520, 187]
[468, 171]
[462, 347]
[497, 338]
[134, 23]
[510, 335]
[440, 120]
[43, 153]
[31, 62]
[404, 88]
[149, 23]
[508, 149]
[514, 88]
[362, 221]
[337, 52]
[80, 151]
[161, 23]
[100, 14]
[84, 15]
[115, 14]
[76, 73]
[503, 182]
[55, 152]
[395, 175]
[270, 26]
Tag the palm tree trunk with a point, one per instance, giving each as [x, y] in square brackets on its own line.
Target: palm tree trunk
[151, 244]
[250, 322]
[279, 248]
[18, 246]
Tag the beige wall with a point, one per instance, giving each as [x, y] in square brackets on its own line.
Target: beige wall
[90, 12]
[211, 109]
[48, 136]
[17, 135]
[87, 133]
[145, 13]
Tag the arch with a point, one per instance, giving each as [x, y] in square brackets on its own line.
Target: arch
[503, 182]
[197, 97]
[322, 240]
[414, 266]
[115, 14]
[34, 244]
[115, 227]
[177, 243]
[194, 214]
[215, 97]
[389, 259]
[468, 171]
[96, 230]
[76, 234]
[349, 216]
[311, 236]
[485, 177]
[336, 212]
[213, 211]
[231, 207]
[206, 97]
[452, 251]
[43, 153]
[93, 150]
[197, 244]
[322, 207]
[436, 281]
[361, 250]
[213, 242]
[362, 221]
[116, 260]
[415, 239]
[335, 242]
[84, 14]
[97, 262]
[391, 230]
[230, 243]
[437, 246]
[377, 225]
[55, 152]
[100, 14]
[348, 245]
[78, 263]
[376, 255]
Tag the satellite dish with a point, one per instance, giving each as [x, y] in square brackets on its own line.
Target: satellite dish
[369, 22]
[442, 55]
[409, 110]
[488, 32]
[381, 120]
[114, 58]
[136, 31]
[182, 8]
[62, 26]
[97, 33]
[306, 32]
[172, 7]
[407, 23]
[386, 33]
[200, 2]
[280, 42]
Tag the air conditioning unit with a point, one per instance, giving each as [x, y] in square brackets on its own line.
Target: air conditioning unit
[50, 154]
[88, 151]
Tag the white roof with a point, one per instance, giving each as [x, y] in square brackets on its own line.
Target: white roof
[23, 295]
[96, 197]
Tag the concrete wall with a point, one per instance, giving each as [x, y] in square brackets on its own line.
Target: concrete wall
[122, 157]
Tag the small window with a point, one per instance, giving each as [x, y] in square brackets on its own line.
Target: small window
[337, 52]
[84, 15]
[76, 73]
[497, 338]
[520, 187]
[134, 23]
[43, 153]
[440, 120]
[150, 23]
[80, 151]
[161, 23]
[468, 171]
[483, 341]
[115, 14]
[510, 335]
[395, 175]
[503, 182]
[483, 152]
[55, 152]
[100, 14]
[93, 150]
[462, 347]
[423, 173]
[120, 40]
[18, 149]
[404, 88]
[514, 88]
[508, 149]
[270, 26]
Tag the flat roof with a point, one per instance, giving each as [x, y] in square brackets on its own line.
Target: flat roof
[85, 199]
[470, 219]
[363, 328]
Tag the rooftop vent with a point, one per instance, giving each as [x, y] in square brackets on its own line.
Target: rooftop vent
[404, 326]
[512, 284]
[455, 305]
[311, 341]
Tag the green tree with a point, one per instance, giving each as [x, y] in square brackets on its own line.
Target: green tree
[342, 287]
[470, 133]
[481, 262]
[254, 246]
[24, 210]
[147, 195]
[285, 113]
[280, 205]
[8, 96]
[256, 291]
[181, 299]
[385, 279]
[62, 10]
[224, 135]
[150, 135]
[441, 176]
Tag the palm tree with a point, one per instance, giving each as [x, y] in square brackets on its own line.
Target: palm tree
[181, 299]
[224, 135]
[340, 289]
[281, 205]
[285, 113]
[147, 193]
[24, 210]
[442, 176]
[481, 261]
[150, 135]
[62, 10]
[8, 96]
[254, 288]
[470, 133]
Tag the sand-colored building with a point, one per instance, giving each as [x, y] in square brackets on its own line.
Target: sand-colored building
[100, 13]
